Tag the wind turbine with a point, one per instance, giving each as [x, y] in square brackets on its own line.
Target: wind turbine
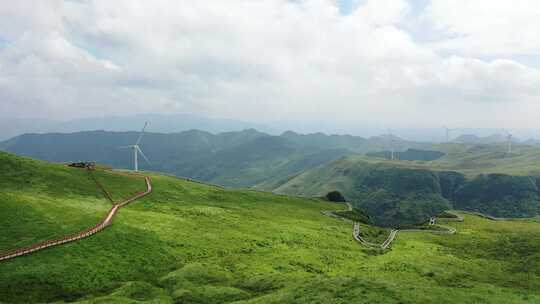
[509, 140]
[391, 144]
[137, 150]
[448, 130]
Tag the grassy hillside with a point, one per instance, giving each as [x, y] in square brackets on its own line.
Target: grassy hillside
[234, 159]
[193, 243]
[472, 177]
[473, 160]
[410, 154]
[391, 195]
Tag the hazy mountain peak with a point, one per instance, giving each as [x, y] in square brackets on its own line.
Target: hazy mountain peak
[491, 139]
[289, 133]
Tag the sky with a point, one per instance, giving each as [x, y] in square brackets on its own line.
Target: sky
[390, 63]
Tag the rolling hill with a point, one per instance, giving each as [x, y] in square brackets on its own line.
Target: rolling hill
[233, 159]
[468, 177]
[189, 242]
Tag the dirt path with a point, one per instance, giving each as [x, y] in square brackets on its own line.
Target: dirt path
[104, 223]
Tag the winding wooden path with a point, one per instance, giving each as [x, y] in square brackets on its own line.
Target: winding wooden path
[104, 223]
[392, 235]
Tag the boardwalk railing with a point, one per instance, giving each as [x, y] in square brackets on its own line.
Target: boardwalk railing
[392, 235]
[106, 221]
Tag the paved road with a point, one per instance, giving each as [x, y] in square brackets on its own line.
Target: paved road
[106, 221]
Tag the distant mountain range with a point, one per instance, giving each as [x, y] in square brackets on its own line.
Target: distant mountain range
[10, 127]
[236, 159]
[174, 123]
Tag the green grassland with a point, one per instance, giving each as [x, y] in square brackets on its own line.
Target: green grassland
[193, 243]
[481, 178]
[50, 201]
[476, 159]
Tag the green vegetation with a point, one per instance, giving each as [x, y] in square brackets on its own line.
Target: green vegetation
[474, 160]
[500, 195]
[193, 243]
[356, 215]
[51, 200]
[395, 193]
[390, 195]
[232, 159]
[447, 215]
[335, 196]
[410, 154]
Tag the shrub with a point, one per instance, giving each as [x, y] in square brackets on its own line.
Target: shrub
[335, 196]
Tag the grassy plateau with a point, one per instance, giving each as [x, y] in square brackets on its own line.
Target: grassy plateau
[188, 242]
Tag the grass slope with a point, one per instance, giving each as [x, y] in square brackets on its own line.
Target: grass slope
[233, 159]
[194, 243]
[473, 160]
[472, 177]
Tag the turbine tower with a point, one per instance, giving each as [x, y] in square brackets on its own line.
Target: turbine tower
[136, 150]
[509, 140]
[448, 130]
[391, 144]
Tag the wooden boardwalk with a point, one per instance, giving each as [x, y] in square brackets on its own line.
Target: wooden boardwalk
[392, 235]
[104, 223]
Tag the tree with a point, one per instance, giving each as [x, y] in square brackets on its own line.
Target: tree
[335, 196]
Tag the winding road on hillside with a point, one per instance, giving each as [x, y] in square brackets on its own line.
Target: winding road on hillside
[104, 223]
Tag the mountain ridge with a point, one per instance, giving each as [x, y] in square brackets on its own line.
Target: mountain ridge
[236, 159]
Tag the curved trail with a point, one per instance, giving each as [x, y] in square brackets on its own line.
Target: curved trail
[104, 223]
[392, 235]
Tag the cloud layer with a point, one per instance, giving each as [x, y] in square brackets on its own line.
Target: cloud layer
[386, 61]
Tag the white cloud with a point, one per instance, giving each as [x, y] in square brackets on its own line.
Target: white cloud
[256, 60]
[487, 27]
[383, 12]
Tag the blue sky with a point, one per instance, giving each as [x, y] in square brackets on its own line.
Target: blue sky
[346, 6]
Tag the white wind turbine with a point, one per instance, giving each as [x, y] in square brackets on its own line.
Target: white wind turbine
[448, 130]
[391, 136]
[509, 140]
[137, 150]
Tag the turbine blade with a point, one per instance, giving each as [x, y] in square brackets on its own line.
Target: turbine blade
[142, 132]
[124, 147]
[144, 156]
